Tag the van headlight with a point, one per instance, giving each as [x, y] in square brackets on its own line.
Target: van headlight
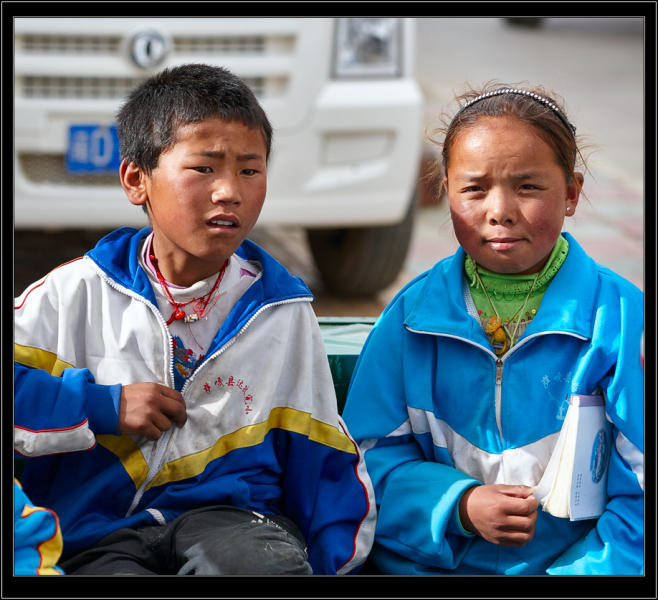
[368, 47]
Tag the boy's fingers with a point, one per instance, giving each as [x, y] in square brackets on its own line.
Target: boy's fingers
[161, 420]
[153, 434]
[171, 393]
[173, 405]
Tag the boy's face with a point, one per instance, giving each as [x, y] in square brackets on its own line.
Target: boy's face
[204, 197]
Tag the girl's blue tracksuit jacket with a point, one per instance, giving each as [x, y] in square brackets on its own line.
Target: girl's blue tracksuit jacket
[435, 412]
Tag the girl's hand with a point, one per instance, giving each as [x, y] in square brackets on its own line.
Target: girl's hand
[148, 408]
[505, 515]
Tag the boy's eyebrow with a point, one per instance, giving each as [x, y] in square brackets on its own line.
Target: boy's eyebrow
[218, 154]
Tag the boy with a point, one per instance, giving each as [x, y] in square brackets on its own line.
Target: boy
[202, 436]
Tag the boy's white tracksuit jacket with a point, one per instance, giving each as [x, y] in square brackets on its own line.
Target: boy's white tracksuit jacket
[262, 430]
[435, 412]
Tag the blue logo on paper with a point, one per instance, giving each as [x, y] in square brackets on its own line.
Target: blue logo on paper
[600, 455]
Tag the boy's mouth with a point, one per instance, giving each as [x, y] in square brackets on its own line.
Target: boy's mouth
[224, 221]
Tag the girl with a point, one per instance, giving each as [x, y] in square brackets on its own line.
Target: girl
[461, 389]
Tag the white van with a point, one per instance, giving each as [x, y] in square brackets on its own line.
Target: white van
[340, 93]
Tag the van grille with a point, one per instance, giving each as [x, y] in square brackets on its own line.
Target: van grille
[110, 45]
[219, 45]
[76, 87]
[96, 87]
[51, 169]
[68, 44]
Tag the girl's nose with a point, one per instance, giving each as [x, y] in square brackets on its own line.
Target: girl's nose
[501, 207]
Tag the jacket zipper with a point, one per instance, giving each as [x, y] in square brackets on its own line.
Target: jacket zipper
[500, 365]
[160, 445]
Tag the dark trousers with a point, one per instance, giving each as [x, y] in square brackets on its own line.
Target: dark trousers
[218, 540]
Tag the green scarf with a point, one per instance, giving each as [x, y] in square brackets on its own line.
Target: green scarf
[508, 292]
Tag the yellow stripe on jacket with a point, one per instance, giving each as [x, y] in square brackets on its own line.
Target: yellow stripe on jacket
[279, 418]
[40, 359]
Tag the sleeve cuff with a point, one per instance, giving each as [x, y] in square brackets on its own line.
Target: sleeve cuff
[454, 524]
[102, 408]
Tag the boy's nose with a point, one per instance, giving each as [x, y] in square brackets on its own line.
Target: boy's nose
[226, 190]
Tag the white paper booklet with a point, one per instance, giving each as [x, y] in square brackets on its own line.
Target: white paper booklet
[574, 483]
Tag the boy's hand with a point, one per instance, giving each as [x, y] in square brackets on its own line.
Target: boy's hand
[505, 515]
[147, 409]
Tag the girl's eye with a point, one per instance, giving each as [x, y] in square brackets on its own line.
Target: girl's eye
[203, 169]
[473, 188]
[249, 171]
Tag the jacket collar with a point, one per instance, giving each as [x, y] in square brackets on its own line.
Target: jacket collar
[567, 305]
[117, 255]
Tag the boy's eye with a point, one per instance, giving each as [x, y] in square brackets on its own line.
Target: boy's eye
[203, 169]
[249, 171]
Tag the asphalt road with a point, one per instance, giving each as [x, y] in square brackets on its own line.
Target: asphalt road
[595, 64]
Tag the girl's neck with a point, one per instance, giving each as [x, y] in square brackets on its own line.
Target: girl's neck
[506, 283]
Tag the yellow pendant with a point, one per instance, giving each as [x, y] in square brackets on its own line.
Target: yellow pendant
[496, 334]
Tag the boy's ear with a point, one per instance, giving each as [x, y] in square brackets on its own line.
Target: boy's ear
[133, 181]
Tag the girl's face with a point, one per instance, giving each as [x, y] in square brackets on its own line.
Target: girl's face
[508, 195]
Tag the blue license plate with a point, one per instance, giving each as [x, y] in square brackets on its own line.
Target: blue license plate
[93, 149]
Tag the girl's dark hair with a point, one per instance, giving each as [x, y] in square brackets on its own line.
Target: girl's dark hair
[149, 119]
[544, 120]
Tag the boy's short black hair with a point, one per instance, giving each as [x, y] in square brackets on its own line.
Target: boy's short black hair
[149, 119]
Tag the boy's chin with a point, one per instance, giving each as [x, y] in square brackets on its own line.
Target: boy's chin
[226, 251]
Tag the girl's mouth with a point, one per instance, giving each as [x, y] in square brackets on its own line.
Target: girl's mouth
[500, 244]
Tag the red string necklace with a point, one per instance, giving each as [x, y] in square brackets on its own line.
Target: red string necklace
[201, 303]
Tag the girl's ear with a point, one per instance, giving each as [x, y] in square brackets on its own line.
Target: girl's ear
[573, 194]
[133, 181]
[445, 184]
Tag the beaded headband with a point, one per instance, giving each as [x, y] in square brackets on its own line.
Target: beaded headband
[544, 101]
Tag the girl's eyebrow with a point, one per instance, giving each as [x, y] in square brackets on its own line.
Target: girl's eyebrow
[480, 176]
[529, 175]
[469, 176]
